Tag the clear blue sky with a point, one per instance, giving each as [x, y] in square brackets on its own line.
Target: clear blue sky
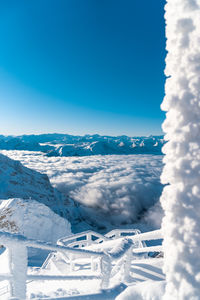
[81, 66]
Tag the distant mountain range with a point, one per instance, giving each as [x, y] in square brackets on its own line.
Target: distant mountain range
[70, 145]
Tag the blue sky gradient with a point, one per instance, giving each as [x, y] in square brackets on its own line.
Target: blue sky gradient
[82, 66]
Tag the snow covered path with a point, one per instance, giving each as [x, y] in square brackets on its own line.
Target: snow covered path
[146, 269]
[141, 270]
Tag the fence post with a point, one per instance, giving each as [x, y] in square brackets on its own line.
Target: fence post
[89, 239]
[71, 262]
[93, 264]
[105, 271]
[127, 265]
[18, 269]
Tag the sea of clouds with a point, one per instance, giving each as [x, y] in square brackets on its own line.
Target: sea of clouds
[118, 189]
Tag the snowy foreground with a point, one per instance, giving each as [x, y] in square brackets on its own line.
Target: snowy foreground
[86, 266]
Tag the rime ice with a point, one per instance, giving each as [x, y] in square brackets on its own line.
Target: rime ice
[181, 199]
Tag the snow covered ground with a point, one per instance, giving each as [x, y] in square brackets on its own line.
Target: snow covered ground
[33, 220]
[147, 290]
[147, 284]
[109, 190]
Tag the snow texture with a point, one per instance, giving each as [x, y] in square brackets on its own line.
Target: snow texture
[181, 198]
[32, 219]
[17, 181]
[18, 269]
[28, 202]
[108, 190]
[69, 145]
[147, 290]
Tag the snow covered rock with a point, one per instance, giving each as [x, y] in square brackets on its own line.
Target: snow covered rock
[32, 219]
[17, 181]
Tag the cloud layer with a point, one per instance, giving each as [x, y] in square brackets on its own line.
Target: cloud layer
[113, 189]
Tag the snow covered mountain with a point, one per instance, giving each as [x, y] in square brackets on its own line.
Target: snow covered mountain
[17, 181]
[69, 145]
[30, 206]
[32, 219]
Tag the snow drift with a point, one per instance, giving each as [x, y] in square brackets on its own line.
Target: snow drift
[148, 290]
[181, 199]
[28, 202]
[32, 219]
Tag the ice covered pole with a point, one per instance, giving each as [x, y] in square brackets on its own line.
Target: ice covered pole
[18, 269]
[181, 198]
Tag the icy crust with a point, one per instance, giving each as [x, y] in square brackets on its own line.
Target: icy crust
[32, 219]
[181, 199]
[69, 145]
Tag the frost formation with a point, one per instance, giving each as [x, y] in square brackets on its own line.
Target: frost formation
[181, 198]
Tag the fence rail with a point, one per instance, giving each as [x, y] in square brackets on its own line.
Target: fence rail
[110, 262]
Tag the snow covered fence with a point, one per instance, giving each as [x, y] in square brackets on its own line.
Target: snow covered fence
[90, 237]
[120, 262]
[117, 233]
[85, 238]
[118, 258]
[17, 278]
[148, 236]
[137, 239]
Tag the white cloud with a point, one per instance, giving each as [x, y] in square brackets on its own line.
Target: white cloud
[113, 188]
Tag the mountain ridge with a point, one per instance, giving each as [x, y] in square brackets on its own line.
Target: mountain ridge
[72, 145]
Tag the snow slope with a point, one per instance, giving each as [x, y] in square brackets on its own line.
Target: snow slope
[29, 203]
[69, 145]
[17, 181]
[32, 219]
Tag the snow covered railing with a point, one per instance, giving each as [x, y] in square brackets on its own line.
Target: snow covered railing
[117, 259]
[17, 246]
[117, 233]
[85, 238]
[148, 236]
[148, 249]
[82, 239]
[90, 237]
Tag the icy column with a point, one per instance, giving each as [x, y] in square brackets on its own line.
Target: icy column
[181, 198]
[18, 269]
